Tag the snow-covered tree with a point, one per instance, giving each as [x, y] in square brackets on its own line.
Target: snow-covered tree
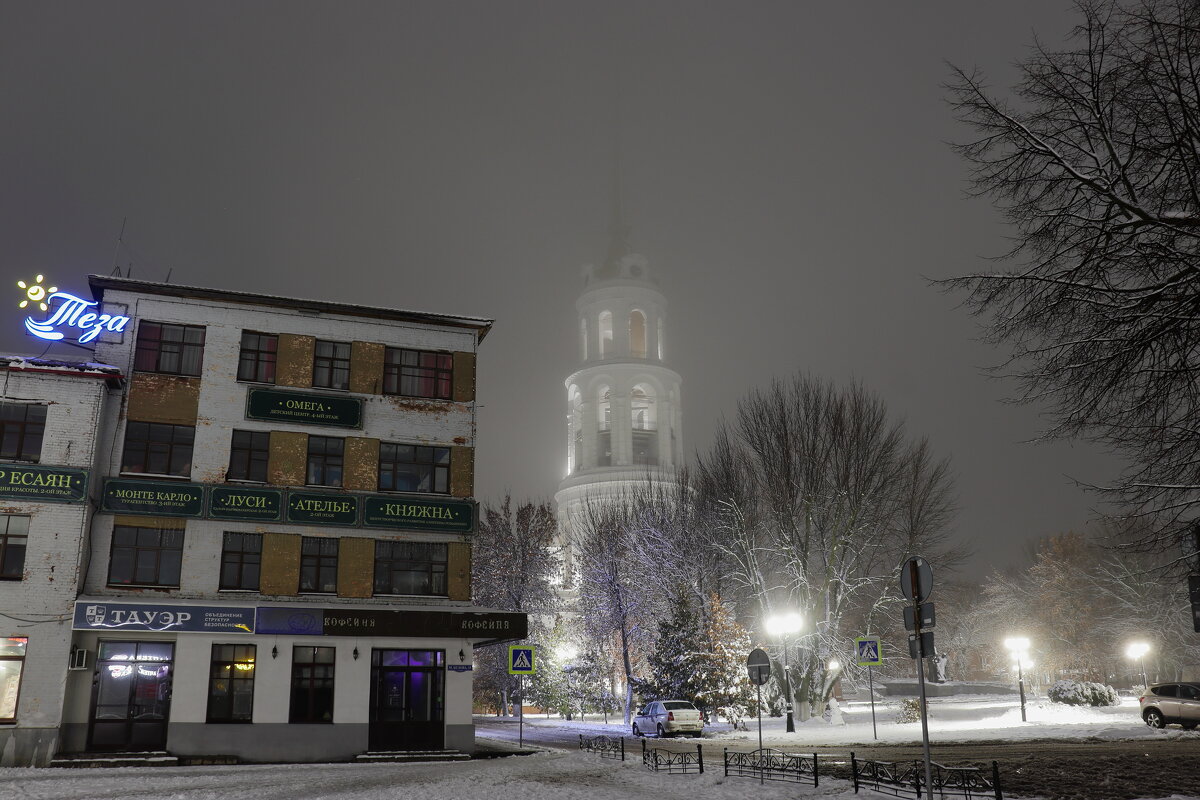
[722, 685]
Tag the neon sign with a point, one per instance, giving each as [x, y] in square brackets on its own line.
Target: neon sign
[72, 312]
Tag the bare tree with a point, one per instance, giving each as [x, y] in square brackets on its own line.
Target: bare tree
[1096, 162]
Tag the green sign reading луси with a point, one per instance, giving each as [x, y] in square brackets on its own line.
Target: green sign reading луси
[235, 502]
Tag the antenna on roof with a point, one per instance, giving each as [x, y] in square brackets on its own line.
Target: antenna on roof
[168, 280]
[116, 270]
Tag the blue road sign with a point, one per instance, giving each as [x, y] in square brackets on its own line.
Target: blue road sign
[868, 652]
[521, 659]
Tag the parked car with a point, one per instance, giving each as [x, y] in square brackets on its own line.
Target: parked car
[667, 718]
[1165, 703]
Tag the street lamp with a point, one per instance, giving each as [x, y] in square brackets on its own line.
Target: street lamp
[1019, 647]
[784, 625]
[1137, 651]
[567, 653]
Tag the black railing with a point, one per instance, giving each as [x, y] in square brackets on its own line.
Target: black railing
[603, 746]
[907, 778]
[663, 760]
[772, 765]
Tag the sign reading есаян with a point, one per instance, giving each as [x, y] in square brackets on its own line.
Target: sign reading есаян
[35, 482]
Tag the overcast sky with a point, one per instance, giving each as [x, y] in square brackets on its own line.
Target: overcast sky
[785, 171]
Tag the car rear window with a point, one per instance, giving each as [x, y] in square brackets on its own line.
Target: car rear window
[678, 705]
[1165, 691]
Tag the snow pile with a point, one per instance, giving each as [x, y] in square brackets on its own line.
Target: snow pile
[1083, 693]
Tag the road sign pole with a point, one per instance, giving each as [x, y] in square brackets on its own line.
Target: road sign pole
[871, 685]
[521, 711]
[759, 687]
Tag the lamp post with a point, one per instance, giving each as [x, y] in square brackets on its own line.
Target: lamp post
[565, 654]
[1137, 651]
[1019, 647]
[783, 626]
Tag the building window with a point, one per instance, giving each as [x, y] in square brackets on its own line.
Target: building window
[241, 559]
[231, 683]
[414, 468]
[12, 661]
[312, 684]
[145, 557]
[318, 564]
[257, 361]
[331, 365]
[154, 448]
[21, 429]
[173, 349]
[14, 533]
[325, 454]
[606, 334]
[248, 454]
[410, 568]
[418, 373]
[637, 334]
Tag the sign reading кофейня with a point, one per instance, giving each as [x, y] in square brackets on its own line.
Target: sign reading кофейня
[273, 405]
[29, 482]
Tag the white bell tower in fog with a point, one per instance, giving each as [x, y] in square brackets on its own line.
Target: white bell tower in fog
[624, 419]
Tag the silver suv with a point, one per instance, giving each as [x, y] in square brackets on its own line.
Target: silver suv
[1164, 703]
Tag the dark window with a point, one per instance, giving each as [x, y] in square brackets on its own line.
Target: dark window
[318, 564]
[158, 449]
[231, 683]
[331, 365]
[12, 661]
[604, 448]
[257, 361]
[145, 557]
[241, 558]
[418, 373]
[312, 684]
[324, 461]
[410, 568]
[248, 454]
[173, 349]
[414, 468]
[645, 448]
[14, 533]
[21, 428]
[1170, 690]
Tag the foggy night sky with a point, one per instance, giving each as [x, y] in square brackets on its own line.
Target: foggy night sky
[785, 170]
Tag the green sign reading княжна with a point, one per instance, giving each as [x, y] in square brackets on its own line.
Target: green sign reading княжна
[303, 408]
[322, 509]
[29, 482]
[157, 498]
[452, 516]
[235, 502]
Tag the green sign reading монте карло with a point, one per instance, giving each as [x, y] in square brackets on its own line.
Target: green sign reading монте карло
[35, 482]
[304, 408]
[158, 498]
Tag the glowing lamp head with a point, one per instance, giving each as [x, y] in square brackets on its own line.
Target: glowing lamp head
[1136, 650]
[1017, 644]
[834, 665]
[783, 624]
[566, 652]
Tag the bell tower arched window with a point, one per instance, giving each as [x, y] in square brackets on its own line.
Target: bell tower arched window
[606, 334]
[583, 342]
[604, 427]
[645, 427]
[637, 334]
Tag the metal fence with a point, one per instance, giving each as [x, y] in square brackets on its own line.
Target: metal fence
[907, 778]
[772, 765]
[603, 746]
[663, 760]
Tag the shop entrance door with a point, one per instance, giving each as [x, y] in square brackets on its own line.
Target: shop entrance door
[131, 696]
[407, 703]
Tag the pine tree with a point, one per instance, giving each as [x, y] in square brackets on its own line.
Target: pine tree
[719, 680]
[673, 661]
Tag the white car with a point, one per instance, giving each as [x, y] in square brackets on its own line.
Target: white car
[667, 718]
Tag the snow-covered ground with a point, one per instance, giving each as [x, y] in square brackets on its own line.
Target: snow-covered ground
[556, 774]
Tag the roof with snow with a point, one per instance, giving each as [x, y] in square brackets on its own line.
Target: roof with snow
[63, 365]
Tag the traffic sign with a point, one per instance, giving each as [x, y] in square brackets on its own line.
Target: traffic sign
[916, 579]
[522, 659]
[758, 664]
[868, 652]
[920, 647]
[922, 612]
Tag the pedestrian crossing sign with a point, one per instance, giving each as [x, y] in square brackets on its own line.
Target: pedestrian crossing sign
[521, 659]
[868, 653]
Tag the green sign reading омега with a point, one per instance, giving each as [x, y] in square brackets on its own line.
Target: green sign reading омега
[273, 405]
[453, 516]
[236, 502]
[30, 482]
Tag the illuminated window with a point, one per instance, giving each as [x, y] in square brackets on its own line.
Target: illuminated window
[414, 468]
[12, 662]
[14, 533]
[155, 448]
[248, 453]
[318, 564]
[417, 568]
[418, 373]
[241, 561]
[325, 460]
[172, 349]
[637, 334]
[660, 339]
[606, 334]
[312, 684]
[145, 557]
[257, 360]
[331, 365]
[583, 338]
[21, 429]
[231, 683]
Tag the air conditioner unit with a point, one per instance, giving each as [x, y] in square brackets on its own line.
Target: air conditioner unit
[79, 659]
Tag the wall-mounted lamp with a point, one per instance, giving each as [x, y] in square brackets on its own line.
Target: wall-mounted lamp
[355, 653]
[462, 656]
[274, 651]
